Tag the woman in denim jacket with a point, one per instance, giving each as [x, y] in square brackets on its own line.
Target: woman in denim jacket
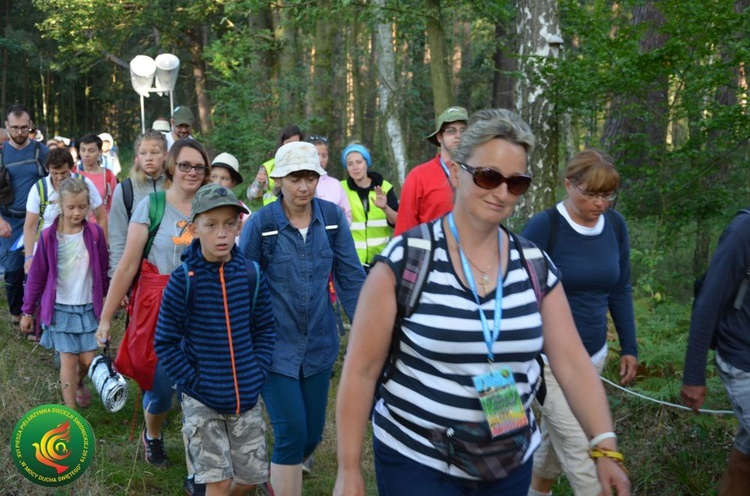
[300, 242]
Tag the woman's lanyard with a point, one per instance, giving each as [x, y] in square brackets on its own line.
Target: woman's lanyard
[490, 336]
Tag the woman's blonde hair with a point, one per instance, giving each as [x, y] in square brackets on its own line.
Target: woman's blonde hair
[137, 174]
[594, 169]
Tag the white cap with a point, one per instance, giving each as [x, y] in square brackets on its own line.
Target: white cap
[161, 125]
[106, 137]
[230, 162]
[296, 156]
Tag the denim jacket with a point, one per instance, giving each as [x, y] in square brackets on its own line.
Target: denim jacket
[297, 273]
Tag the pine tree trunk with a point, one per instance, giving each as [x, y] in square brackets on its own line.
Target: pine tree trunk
[442, 93]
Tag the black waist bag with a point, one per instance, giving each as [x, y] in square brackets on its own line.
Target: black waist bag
[470, 447]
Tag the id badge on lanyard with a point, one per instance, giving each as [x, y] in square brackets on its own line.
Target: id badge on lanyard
[498, 394]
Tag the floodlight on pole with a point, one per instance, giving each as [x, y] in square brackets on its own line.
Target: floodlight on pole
[145, 71]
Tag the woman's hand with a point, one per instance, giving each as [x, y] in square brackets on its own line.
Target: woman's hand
[27, 324]
[611, 475]
[262, 177]
[349, 483]
[102, 333]
[628, 369]
[381, 201]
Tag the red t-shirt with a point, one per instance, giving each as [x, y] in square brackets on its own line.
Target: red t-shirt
[426, 195]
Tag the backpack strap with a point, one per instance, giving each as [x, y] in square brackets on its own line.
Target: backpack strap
[157, 202]
[253, 273]
[536, 269]
[418, 245]
[127, 196]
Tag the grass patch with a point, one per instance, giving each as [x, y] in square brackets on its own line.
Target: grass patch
[668, 451]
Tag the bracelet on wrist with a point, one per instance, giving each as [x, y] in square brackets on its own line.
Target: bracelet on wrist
[27, 315]
[597, 453]
[601, 437]
[28, 257]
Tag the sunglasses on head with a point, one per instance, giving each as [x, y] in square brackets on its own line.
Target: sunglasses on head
[487, 178]
[318, 139]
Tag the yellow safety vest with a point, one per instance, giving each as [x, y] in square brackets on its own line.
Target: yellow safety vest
[370, 230]
[268, 196]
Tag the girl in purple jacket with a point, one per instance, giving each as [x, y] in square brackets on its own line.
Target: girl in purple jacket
[66, 284]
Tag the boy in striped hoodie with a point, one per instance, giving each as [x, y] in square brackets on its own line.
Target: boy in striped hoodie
[214, 337]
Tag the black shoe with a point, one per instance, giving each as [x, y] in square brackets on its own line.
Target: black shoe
[154, 450]
[307, 465]
[192, 488]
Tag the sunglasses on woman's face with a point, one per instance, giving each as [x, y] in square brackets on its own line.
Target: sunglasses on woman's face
[487, 178]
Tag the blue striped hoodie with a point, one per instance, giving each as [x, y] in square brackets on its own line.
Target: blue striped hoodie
[224, 367]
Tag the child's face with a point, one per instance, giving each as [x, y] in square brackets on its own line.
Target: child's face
[217, 229]
[75, 207]
[58, 175]
[90, 154]
[222, 176]
[323, 155]
[151, 157]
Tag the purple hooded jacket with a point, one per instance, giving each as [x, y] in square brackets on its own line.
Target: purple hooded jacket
[41, 283]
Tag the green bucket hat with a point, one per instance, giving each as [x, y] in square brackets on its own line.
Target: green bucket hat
[451, 114]
[213, 196]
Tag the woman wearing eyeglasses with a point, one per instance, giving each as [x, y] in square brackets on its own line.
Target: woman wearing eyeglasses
[465, 372]
[372, 199]
[588, 242]
[156, 256]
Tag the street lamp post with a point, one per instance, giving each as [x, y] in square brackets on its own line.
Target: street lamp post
[154, 76]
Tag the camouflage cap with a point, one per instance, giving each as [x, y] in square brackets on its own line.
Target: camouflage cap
[213, 196]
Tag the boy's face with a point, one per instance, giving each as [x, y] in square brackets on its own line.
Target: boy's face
[58, 173]
[222, 176]
[217, 229]
[90, 154]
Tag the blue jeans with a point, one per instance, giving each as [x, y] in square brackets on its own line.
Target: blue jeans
[398, 475]
[737, 384]
[297, 409]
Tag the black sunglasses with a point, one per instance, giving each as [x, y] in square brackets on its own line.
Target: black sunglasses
[487, 178]
[318, 139]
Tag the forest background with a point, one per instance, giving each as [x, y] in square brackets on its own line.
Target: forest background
[659, 84]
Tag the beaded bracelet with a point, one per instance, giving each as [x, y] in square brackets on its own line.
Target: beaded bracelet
[616, 456]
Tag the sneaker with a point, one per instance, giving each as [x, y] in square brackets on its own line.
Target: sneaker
[307, 465]
[83, 396]
[192, 488]
[154, 450]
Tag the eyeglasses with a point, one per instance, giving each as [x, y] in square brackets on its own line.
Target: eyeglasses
[317, 139]
[454, 130]
[487, 178]
[607, 197]
[199, 169]
[20, 129]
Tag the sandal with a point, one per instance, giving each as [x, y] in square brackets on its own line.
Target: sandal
[83, 396]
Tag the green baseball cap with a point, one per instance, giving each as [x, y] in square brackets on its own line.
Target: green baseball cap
[451, 114]
[182, 115]
[213, 196]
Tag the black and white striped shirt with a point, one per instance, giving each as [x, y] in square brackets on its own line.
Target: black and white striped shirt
[442, 347]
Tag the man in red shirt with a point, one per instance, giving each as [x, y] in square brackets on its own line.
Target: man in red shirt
[427, 193]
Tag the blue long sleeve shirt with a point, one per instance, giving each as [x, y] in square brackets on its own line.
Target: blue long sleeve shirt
[714, 310]
[298, 272]
[222, 366]
[596, 277]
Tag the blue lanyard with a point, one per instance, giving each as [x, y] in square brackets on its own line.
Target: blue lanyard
[489, 336]
[445, 168]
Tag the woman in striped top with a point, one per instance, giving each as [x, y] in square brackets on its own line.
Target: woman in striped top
[477, 320]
